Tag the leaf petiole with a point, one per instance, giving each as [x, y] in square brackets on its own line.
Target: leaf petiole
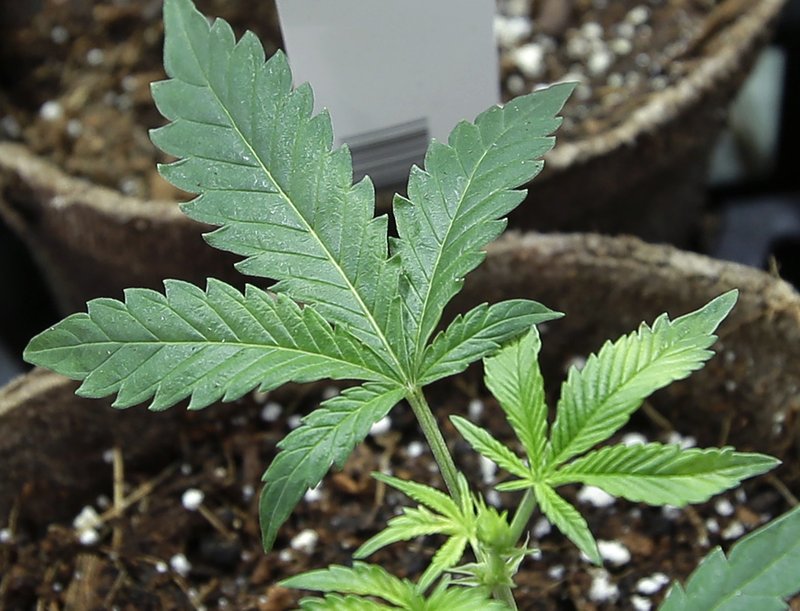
[433, 435]
[523, 514]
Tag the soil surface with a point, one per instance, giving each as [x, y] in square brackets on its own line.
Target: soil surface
[74, 77]
[184, 534]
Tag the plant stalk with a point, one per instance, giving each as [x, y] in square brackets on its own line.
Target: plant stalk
[523, 514]
[436, 442]
[518, 524]
[504, 594]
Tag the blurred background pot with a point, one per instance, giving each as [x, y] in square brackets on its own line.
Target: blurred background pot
[651, 120]
[631, 158]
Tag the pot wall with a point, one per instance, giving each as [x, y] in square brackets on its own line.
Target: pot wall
[644, 177]
[52, 444]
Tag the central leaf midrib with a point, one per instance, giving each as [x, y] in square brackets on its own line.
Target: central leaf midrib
[562, 477]
[373, 323]
[116, 344]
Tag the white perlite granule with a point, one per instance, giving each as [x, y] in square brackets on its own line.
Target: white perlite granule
[529, 59]
[652, 584]
[670, 512]
[180, 564]
[381, 427]
[684, 442]
[89, 536]
[724, 507]
[271, 411]
[633, 439]
[314, 494]
[415, 449]
[51, 111]
[734, 530]
[192, 498]
[602, 589]
[488, 469]
[87, 518]
[329, 392]
[542, 528]
[475, 409]
[510, 31]
[305, 541]
[614, 552]
[595, 497]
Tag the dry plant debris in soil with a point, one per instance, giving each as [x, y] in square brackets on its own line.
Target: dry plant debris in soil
[158, 554]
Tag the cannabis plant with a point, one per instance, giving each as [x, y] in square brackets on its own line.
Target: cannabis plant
[349, 302]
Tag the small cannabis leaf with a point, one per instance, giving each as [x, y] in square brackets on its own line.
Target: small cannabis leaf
[760, 572]
[326, 437]
[474, 335]
[599, 398]
[344, 305]
[357, 588]
[567, 519]
[595, 402]
[663, 474]
[437, 515]
[471, 522]
[362, 579]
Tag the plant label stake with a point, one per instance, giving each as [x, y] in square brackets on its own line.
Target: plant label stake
[393, 73]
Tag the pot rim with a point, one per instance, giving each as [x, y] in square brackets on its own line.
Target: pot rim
[516, 260]
[742, 32]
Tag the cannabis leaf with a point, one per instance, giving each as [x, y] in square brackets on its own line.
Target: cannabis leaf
[368, 580]
[362, 579]
[760, 572]
[567, 519]
[439, 514]
[478, 333]
[335, 602]
[267, 175]
[594, 403]
[514, 378]
[663, 474]
[599, 398]
[326, 437]
[342, 306]
[483, 443]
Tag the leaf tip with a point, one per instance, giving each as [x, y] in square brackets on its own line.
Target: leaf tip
[727, 300]
[30, 353]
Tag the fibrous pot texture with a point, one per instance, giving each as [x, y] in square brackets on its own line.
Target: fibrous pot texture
[54, 446]
[642, 173]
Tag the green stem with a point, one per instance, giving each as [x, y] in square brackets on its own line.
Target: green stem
[436, 442]
[518, 524]
[523, 514]
[504, 594]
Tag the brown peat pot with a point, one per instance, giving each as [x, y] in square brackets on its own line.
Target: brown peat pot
[644, 175]
[54, 446]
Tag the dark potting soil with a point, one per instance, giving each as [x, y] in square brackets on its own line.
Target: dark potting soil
[184, 535]
[74, 77]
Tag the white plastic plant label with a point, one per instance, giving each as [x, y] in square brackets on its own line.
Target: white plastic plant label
[393, 73]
